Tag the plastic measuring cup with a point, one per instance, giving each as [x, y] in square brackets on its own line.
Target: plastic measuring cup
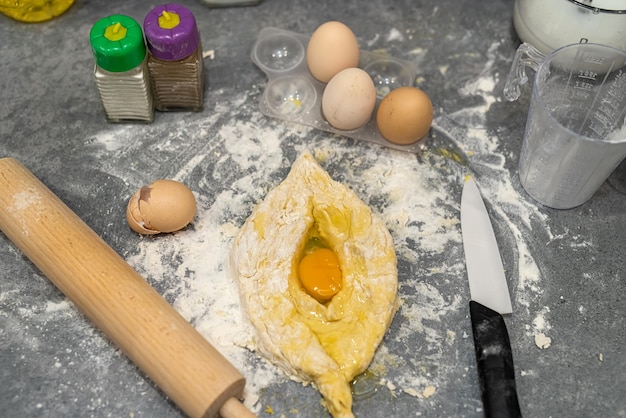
[575, 133]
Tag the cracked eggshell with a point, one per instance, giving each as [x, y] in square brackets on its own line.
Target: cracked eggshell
[163, 206]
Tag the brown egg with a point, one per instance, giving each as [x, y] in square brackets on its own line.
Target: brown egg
[404, 115]
[332, 48]
[163, 206]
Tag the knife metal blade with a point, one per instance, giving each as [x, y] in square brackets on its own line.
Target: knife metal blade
[490, 298]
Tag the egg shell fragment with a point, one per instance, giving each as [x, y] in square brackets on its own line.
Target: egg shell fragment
[163, 206]
[349, 99]
[404, 115]
[332, 47]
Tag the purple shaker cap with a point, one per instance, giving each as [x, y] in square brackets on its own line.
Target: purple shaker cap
[172, 44]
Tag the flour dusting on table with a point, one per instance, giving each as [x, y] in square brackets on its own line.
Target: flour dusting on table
[417, 196]
[466, 129]
[189, 269]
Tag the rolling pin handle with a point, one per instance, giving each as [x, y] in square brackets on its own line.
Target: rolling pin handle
[232, 408]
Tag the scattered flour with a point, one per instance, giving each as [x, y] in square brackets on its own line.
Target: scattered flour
[417, 206]
[56, 307]
[542, 341]
[394, 35]
[466, 129]
[416, 209]
[109, 139]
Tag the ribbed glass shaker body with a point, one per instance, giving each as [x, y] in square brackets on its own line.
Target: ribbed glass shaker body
[121, 71]
[175, 58]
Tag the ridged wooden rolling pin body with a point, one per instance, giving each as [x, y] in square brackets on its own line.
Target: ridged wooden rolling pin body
[116, 298]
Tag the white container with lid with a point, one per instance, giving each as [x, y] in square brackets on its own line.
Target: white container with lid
[548, 25]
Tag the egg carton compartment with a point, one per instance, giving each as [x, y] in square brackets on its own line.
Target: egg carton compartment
[294, 95]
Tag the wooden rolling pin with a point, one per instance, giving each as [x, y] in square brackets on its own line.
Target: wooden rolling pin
[116, 298]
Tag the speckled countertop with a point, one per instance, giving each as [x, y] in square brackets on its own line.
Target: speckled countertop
[565, 268]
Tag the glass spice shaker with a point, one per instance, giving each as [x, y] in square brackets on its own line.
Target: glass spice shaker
[175, 58]
[121, 73]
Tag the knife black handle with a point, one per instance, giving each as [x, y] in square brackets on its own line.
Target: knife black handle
[495, 363]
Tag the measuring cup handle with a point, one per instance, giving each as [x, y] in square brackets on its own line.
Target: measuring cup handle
[525, 56]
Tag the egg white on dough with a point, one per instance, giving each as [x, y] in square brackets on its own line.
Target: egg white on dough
[324, 344]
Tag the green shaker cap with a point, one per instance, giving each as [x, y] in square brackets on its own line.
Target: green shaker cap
[117, 43]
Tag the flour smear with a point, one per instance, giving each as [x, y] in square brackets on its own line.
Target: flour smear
[467, 129]
[411, 194]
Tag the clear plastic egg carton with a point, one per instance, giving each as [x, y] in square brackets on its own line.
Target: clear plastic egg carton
[294, 95]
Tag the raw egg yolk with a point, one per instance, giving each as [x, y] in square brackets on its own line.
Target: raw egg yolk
[320, 274]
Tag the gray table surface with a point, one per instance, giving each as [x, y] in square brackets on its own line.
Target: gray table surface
[565, 268]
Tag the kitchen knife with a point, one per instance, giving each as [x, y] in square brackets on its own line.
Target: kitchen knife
[489, 300]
